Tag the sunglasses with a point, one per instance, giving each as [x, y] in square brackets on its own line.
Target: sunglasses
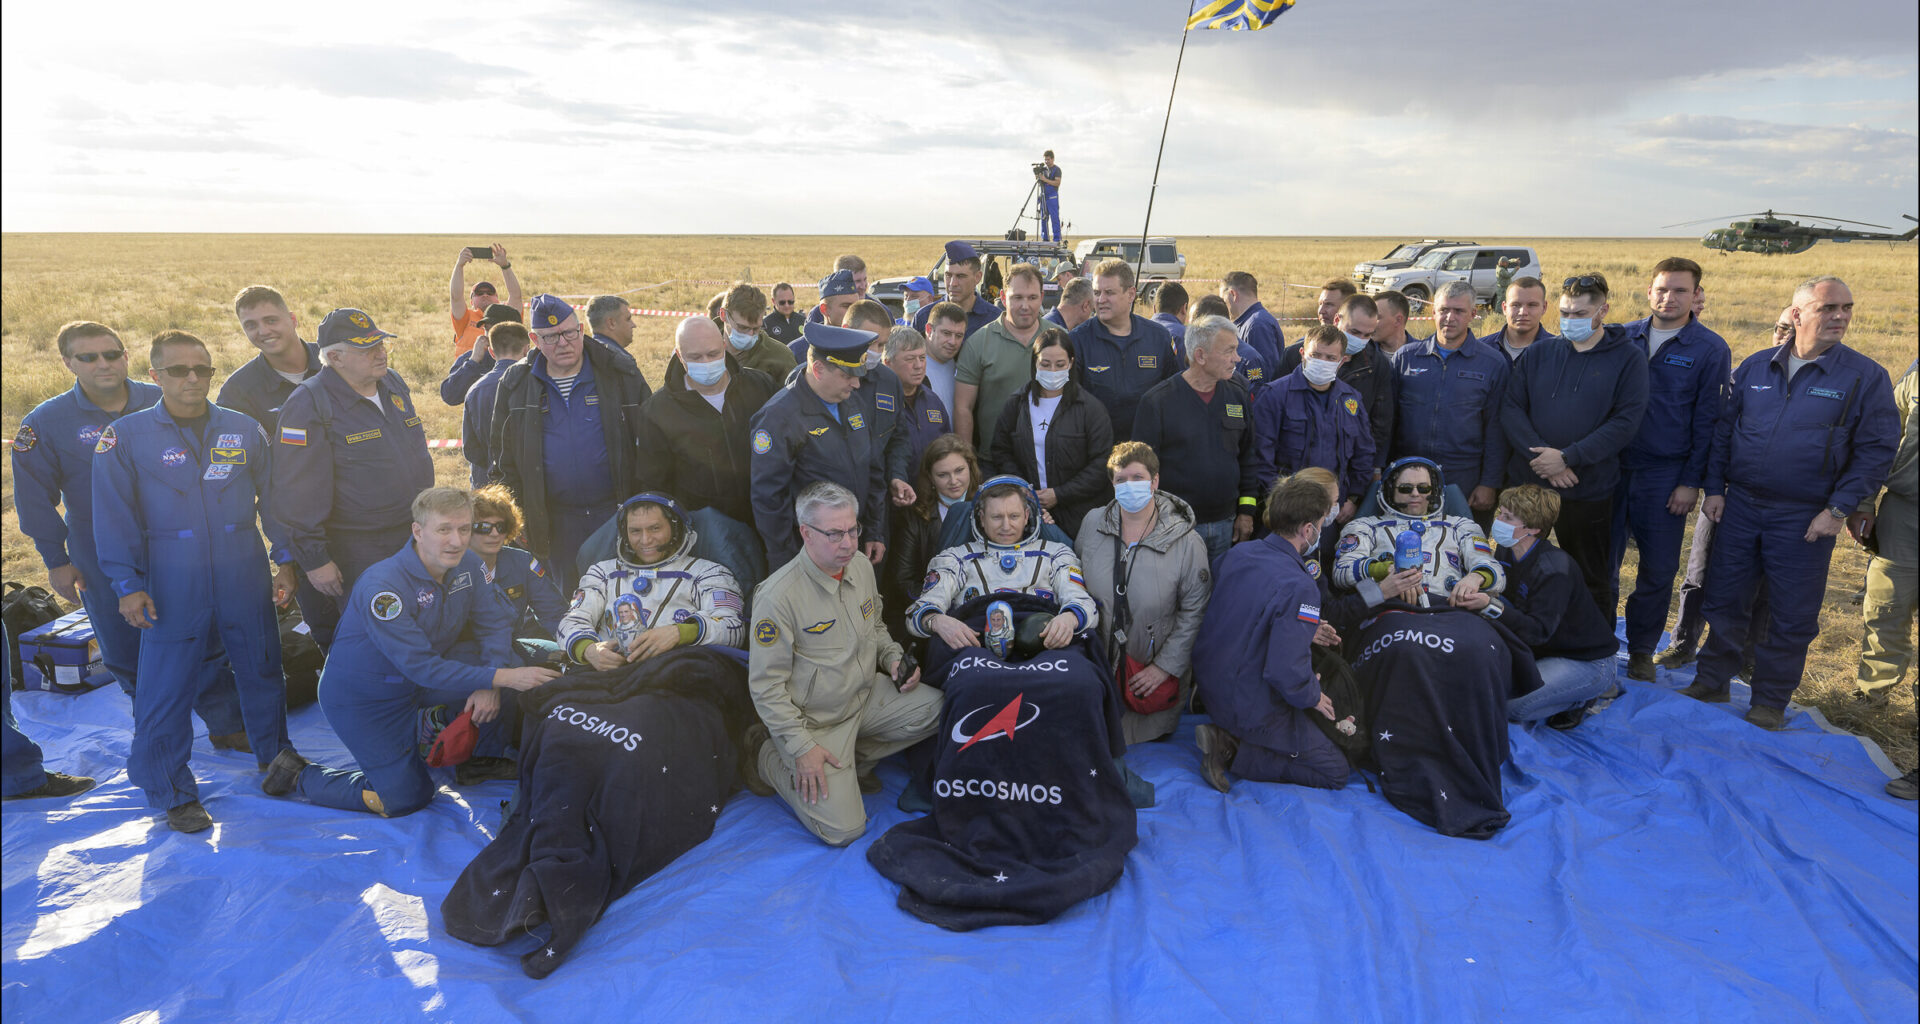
[488, 528]
[183, 372]
[1783, 328]
[1584, 283]
[93, 357]
[1413, 488]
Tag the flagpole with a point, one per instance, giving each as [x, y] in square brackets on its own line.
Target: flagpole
[1141, 257]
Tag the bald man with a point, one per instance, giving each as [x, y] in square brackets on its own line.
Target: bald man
[694, 444]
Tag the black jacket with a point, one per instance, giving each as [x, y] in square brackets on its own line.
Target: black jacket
[1547, 605]
[258, 390]
[913, 543]
[1207, 455]
[1078, 442]
[695, 454]
[518, 444]
[1371, 374]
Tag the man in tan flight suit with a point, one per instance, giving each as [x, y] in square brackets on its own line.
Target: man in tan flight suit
[824, 672]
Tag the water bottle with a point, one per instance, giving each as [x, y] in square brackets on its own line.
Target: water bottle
[1407, 555]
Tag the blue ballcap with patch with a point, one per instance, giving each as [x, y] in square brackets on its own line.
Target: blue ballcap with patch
[350, 327]
[842, 347]
[920, 284]
[957, 251]
[840, 282]
[549, 311]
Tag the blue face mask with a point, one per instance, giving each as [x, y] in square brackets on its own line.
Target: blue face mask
[947, 502]
[741, 339]
[1355, 343]
[1502, 533]
[1576, 328]
[1133, 495]
[910, 307]
[708, 373]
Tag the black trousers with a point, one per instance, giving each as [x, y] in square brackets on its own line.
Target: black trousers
[1585, 532]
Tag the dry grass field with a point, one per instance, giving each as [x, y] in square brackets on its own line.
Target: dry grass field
[141, 284]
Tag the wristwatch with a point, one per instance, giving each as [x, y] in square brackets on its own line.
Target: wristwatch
[1837, 512]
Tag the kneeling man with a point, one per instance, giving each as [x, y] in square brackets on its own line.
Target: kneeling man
[832, 687]
[654, 595]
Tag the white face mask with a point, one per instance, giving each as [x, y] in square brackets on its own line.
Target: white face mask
[1052, 380]
[1319, 371]
[741, 339]
[1355, 343]
[1133, 495]
[910, 307]
[708, 373]
[873, 359]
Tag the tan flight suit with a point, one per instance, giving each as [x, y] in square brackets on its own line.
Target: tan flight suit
[818, 657]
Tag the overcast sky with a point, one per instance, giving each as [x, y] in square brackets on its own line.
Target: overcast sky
[621, 116]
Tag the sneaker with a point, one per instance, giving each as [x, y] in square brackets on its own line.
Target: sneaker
[749, 767]
[1864, 701]
[1640, 666]
[231, 741]
[283, 772]
[1705, 693]
[189, 817]
[57, 784]
[1217, 748]
[1906, 787]
[475, 770]
[1770, 719]
[427, 723]
[1680, 652]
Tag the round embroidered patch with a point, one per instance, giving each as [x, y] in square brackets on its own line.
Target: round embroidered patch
[385, 606]
[25, 439]
[765, 632]
[107, 440]
[762, 442]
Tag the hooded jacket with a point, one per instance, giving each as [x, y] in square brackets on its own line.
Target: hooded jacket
[1587, 404]
[699, 596]
[695, 453]
[1453, 546]
[1044, 568]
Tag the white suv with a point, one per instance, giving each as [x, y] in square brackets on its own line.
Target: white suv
[1163, 263]
[1479, 265]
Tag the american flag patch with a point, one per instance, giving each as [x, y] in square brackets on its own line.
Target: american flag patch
[293, 435]
[1310, 613]
[729, 600]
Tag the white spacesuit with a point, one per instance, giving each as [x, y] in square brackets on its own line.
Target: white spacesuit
[620, 598]
[1045, 568]
[1452, 546]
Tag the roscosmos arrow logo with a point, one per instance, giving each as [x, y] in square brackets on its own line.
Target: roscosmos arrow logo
[1004, 722]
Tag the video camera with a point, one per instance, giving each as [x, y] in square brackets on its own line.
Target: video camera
[1040, 169]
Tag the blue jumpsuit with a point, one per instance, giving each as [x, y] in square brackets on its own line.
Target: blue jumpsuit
[1782, 452]
[1260, 331]
[1448, 410]
[1050, 196]
[1686, 383]
[344, 478]
[53, 466]
[1117, 371]
[536, 599]
[1295, 427]
[796, 441]
[408, 641]
[178, 515]
[21, 767]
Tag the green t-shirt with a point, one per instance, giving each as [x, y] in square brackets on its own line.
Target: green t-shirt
[996, 362]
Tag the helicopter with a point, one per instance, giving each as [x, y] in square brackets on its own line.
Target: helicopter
[1772, 234]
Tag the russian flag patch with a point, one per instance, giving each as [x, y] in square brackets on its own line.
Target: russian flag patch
[1481, 546]
[1310, 613]
[294, 436]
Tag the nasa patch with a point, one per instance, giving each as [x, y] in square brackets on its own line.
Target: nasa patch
[173, 457]
[762, 442]
[765, 632]
[25, 439]
[682, 615]
[425, 596]
[385, 606]
[90, 434]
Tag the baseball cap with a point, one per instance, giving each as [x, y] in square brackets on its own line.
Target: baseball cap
[844, 347]
[455, 743]
[500, 313]
[840, 282]
[347, 326]
[920, 284]
[550, 311]
[484, 288]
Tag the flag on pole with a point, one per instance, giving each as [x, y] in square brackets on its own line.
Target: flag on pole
[1252, 15]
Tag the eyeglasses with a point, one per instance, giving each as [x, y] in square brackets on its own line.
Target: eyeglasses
[1783, 328]
[183, 372]
[92, 357]
[571, 334]
[1413, 488]
[488, 528]
[783, 302]
[835, 536]
[1585, 282]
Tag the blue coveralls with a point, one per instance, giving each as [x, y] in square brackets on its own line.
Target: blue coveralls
[1260, 331]
[1782, 452]
[179, 516]
[1449, 410]
[258, 390]
[476, 425]
[924, 418]
[464, 373]
[796, 441]
[1253, 664]
[344, 479]
[1050, 194]
[537, 603]
[982, 314]
[1686, 384]
[21, 768]
[580, 492]
[1117, 371]
[1295, 426]
[53, 465]
[408, 641]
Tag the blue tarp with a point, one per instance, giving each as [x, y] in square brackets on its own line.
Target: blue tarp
[1666, 861]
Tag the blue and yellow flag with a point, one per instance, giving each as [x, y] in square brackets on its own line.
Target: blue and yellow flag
[1252, 15]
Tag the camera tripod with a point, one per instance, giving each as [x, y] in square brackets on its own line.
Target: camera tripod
[1018, 234]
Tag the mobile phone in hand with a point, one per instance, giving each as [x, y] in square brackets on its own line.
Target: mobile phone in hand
[480, 252]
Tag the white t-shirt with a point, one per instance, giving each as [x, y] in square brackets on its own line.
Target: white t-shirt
[717, 400]
[375, 400]
[292, 378]
[1043, 414]
[1656, 338]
